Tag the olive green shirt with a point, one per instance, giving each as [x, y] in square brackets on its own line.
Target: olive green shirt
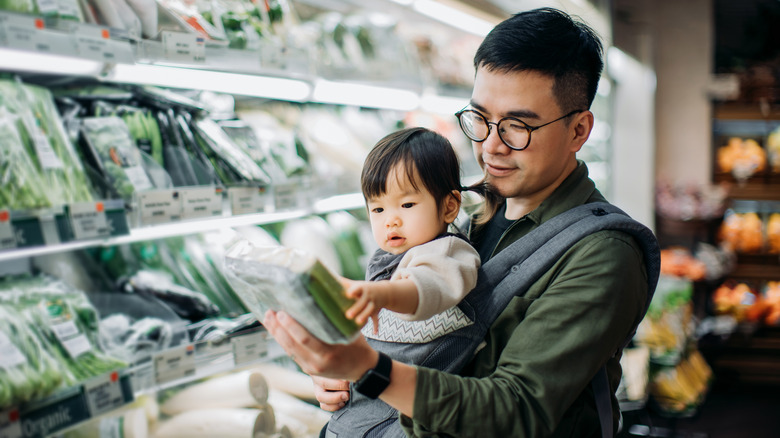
[532, 379]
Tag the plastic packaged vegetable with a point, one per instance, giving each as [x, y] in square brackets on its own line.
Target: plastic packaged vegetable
[22, 185]
[280, 278]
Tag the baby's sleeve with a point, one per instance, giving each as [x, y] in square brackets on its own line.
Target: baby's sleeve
[444, 271]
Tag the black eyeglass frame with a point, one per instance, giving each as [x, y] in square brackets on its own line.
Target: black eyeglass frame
[528, 127]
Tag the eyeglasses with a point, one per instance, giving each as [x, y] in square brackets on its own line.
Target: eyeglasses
[515, 133]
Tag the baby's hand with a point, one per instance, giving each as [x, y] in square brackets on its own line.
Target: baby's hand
[365, 306]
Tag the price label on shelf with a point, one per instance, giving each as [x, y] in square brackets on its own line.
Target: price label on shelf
[104, 394]
[249, 348]
[247, 200]
[94, 42]
[184, 47]
[159, 206]
[176, 363]
[7, 235]
[88, 220]
[198, 202]
[10, 424]
[285, 196]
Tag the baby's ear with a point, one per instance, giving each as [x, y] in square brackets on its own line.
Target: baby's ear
[451, 207]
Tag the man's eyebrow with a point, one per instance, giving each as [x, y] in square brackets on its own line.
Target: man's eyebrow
[520, 114]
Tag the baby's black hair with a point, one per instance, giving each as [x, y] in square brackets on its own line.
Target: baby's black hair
[427, 158]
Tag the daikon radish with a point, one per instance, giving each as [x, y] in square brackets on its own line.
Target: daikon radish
[286, 405]
[223, 423]
[237, 390]
[146, 10]
[289, 426]
[290, 381]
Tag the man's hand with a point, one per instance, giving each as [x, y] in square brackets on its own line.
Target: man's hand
[331, 393]
[316, 358]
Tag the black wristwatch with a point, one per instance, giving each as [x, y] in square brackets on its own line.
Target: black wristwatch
[375, 380]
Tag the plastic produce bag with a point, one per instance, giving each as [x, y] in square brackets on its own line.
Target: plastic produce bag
[22, 185]
[292, 280]
[115, 154]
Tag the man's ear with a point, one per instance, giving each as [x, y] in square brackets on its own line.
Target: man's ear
[451, 206]
[581, 126]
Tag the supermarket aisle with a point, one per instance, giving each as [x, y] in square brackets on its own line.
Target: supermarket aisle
[730, 411]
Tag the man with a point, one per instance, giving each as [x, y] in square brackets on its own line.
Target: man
[536, 77]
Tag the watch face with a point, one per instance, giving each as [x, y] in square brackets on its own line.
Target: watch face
[377, 379]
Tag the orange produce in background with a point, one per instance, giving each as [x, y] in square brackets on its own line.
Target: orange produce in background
[742, 158]
[742, 232]
[773, 233]
[679, 262]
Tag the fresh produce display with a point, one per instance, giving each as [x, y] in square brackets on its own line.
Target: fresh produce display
[22, 186]
[690, 201]
[679, 262]
[114, 153]
[682, 388]
[734, 298]
[50, 332]
[40, 129]
[773, 149]
[27, 370]
[281, 278]
[773, 233]
[231, 163]
[742, 158]
[746, 303]
[667, 327]
[742, 232]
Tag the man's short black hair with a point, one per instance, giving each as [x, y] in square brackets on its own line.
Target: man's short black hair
[550, 42]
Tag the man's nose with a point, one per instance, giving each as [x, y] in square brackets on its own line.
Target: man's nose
[493, 143]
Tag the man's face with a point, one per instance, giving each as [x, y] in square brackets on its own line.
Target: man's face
[530, 175]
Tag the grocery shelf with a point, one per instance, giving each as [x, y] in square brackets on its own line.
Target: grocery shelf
[326, 205]
[75, 405]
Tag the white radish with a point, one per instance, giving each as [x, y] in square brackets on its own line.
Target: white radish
[237, 390]
[223, 423]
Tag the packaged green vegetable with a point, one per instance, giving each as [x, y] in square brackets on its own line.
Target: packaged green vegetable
[115, 153]
[281, 278]
[43, 135]
[22, 185]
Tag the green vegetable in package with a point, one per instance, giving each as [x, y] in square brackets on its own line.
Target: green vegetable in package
[115, 152]
[41, 131]
[23, 188]
[281, 278]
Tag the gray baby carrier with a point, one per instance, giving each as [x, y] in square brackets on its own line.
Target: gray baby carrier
[510, 273]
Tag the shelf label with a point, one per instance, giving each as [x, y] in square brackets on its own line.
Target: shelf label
[184, 47]
[249, 348]
[23, 32]
[88, 220]
[285, 196]
[10, 356]
[10, 426]
[104, 394]
[247, 200]
[159, 206]
[7, 235]
[176, 363]
[198, 202]
[94, 42]
[51, 418]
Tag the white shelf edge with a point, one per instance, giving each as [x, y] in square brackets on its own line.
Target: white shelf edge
[349, 201]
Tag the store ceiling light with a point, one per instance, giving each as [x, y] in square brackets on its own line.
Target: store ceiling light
[453, 17]
[217, 81]
[432, 102]
[369, 96]
[37, 62]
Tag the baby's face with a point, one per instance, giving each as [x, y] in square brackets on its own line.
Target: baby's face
[404, 217]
